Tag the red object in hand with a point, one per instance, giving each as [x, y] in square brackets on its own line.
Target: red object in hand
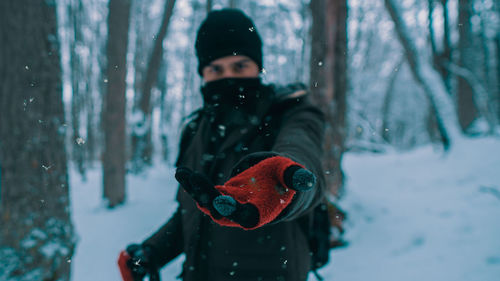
[262, 186]
[124, 269]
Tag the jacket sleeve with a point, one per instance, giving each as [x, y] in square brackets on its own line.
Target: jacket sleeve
[300, 139]
[167, 243]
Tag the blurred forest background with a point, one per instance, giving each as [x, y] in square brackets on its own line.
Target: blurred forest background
[109, 83]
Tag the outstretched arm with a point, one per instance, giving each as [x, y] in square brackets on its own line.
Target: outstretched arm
[167, 242]
[301, 139]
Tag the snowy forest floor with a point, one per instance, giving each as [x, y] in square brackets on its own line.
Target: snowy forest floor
[418, 215]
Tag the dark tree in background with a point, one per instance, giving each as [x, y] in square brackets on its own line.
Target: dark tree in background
[467, 111]
[441, 56]
[142, 145]
[114, 159]
[209, 6]
[36, 233]
[329, 80]
[79, 82]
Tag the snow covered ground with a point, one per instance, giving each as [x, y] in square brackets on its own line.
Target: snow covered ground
[418, 215]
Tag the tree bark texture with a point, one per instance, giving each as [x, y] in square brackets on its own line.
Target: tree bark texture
[497, 45]
[140, 23]
[440, 57]
[79, 81]
[36, 233]
[142, 144]
[386, 106]
[480, 95]
[428, 79]
[114, 106]
[467, 111]
[155, 59]
[446, 54]
[329, 81]
[209, 6]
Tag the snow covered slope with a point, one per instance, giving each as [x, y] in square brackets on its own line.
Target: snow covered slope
[417, 215]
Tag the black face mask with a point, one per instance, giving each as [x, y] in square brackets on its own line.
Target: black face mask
[236, 93]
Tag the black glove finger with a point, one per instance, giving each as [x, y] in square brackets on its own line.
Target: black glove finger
[195, 184]
[205, 191]
[182, 175]
[299, 179]
[251, 160]
[138, 270]
[245, 215]
[200, 188]
[140, 262]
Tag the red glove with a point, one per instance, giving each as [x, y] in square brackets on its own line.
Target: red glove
[252, 198]
[125, 271]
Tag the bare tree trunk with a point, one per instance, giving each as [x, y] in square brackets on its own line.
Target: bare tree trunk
[99, 85]
[480, 94]
[481, 101]
[428, 79]
[114, 108]
[386, 131]
[497, 45]
[141, 139]
[209, 6]
[232, 4]
[440, 57]
[79, 82]
[140, 22]
[467, 111]
[446, 55]
[329, 81]
[490, 63]
[156, 58]
[165, 113]
[36, 234]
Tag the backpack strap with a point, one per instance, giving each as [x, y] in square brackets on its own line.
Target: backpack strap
[289, 92]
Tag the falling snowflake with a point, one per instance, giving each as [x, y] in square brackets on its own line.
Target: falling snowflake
[47, 167]
[80, 141]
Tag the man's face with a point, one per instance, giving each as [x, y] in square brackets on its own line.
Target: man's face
[230, 67]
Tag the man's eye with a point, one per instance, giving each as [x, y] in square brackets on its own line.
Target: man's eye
[239, 66]
[216, 69]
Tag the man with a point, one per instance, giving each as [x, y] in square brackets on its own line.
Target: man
[248, 167]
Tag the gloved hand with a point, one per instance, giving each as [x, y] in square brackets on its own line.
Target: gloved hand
[136, 262]
[261, 186]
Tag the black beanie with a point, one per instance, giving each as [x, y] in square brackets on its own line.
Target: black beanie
[224, 33]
